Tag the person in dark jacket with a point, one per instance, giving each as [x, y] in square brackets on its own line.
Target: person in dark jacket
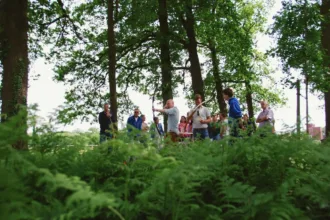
[106, 121]
[135, 121]
[235, 113]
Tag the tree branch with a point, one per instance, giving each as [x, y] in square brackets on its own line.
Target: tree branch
[65, 14]
[125, 50]
[203, 45]
[180, 68]
[47, 24]
[233, 81]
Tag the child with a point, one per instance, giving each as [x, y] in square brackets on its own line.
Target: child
[235, 113]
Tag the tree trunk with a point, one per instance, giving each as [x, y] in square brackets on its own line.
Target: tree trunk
[307, 104]
[325, 11]
[165, 58]
[14, 42]
[298, 108]
[195, 68]
[217, 79]
[249, 100]
[112, 60]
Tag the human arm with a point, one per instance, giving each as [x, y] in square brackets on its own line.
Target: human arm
[235, 109]
[268, 117]
[208, 117]
[206, 121]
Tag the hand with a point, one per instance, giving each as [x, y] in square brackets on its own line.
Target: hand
[108, 114]
[153, 109]
[202, 121]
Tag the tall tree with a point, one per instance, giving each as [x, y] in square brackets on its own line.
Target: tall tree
[297, 29]
[217, 78]
[325, 12]
[187, 19]
[14, 49]
[112, 58]
[165, 59]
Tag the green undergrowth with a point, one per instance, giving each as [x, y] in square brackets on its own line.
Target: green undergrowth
[278, 177]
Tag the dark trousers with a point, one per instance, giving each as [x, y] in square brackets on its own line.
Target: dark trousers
[105, 136]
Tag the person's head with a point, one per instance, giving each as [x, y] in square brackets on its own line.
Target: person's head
[106, 107]
[223, 115]
[227, 93]
[245, 117]
[198, 99]
[143, 117]
[136, 112]
[156, 120]
[170, 103]
[183, 119]
[264, 105]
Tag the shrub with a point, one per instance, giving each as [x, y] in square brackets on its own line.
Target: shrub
[278, 177]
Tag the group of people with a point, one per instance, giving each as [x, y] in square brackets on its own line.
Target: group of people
[198, 124]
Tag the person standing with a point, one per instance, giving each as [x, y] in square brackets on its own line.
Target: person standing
[224, 129]
[172, 120]
[106, 121]
[248, 125]
[235, 113]
[189, 128]
[214, 126]
[153, 128]
[183, 127]
[266, 118]
[134, 121]
[144, 126]
[201, 117]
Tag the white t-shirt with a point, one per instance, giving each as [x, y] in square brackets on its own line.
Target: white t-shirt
[270, 116]
[225, 123]
[201, 114]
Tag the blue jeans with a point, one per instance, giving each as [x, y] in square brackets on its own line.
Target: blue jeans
[216, 137]
[234, 127]
[200, 133]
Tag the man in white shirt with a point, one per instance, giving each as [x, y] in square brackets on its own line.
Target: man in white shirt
[172, 120]
[266, 117]
[201, 117]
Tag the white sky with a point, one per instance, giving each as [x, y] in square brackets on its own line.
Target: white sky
[49, 95]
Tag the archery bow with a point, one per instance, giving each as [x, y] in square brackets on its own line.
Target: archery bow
[153, 112]
[195, 109]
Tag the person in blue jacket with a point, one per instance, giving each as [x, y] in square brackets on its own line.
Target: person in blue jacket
[135, 121]
[235, 113]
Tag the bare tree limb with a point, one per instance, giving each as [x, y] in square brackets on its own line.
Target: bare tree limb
[47, 24]
[74, 26]
[180, 68]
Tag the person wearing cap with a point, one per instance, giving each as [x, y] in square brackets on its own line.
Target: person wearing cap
[172, 120]
[235, 113]
[201, 117]
[106, 120]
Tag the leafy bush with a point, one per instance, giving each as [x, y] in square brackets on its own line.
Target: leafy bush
[278, 177]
